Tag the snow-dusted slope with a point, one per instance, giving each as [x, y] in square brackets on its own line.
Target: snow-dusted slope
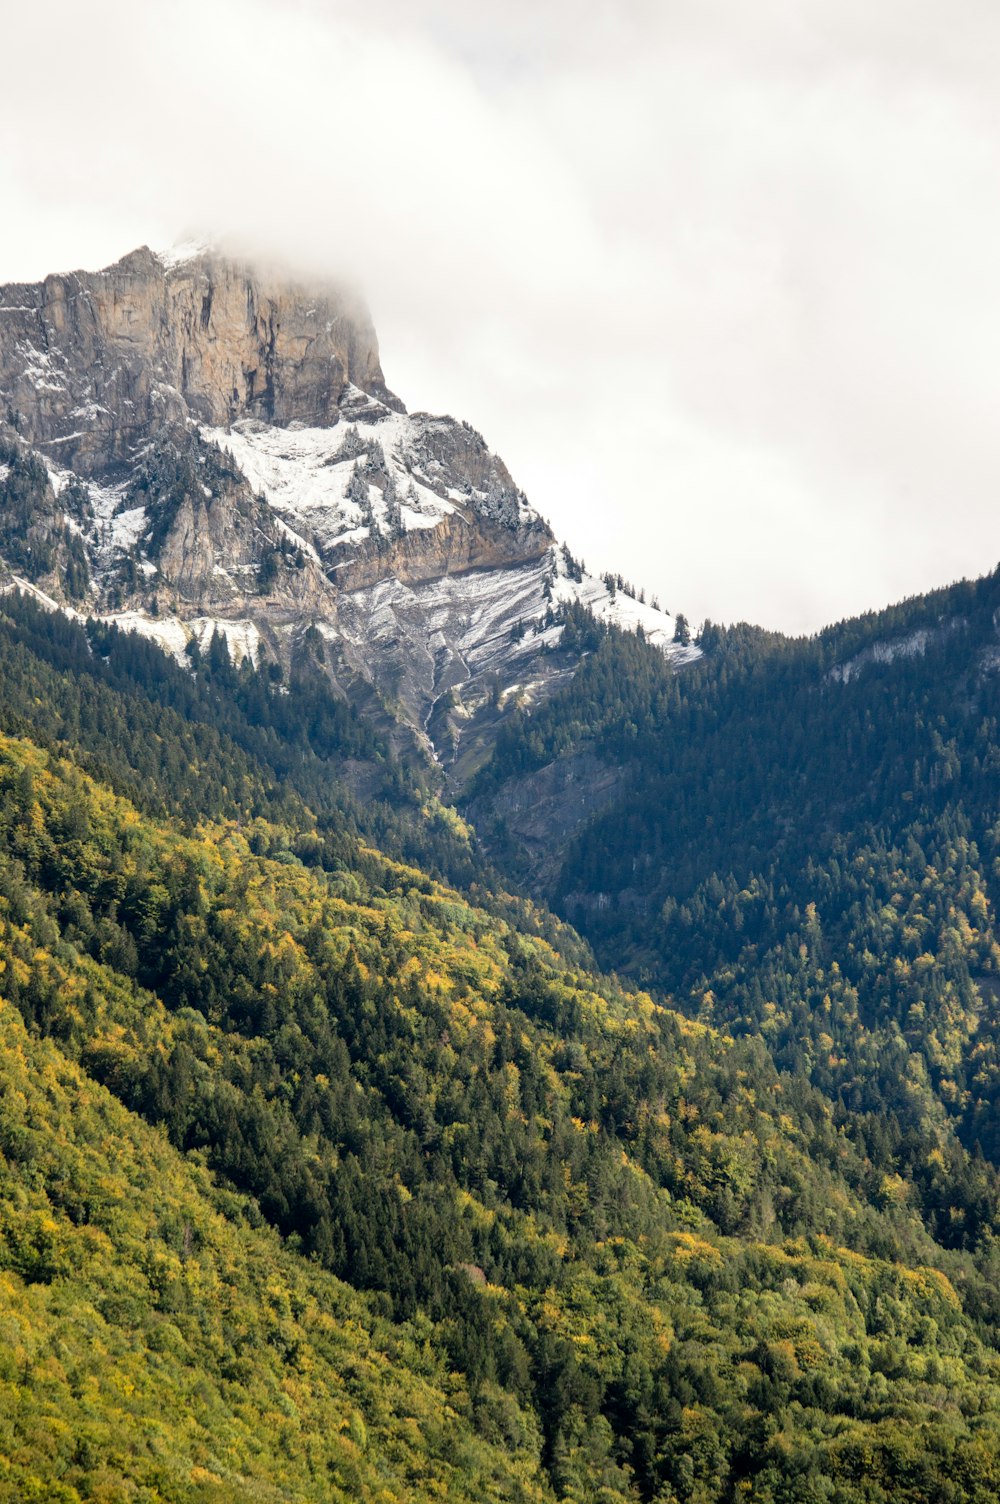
[248, 473]
[307, 473]
[465, 636]
[309, 476]
[435, 643]
[623, 610]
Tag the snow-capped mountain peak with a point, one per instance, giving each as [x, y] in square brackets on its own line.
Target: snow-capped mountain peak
[211, 448]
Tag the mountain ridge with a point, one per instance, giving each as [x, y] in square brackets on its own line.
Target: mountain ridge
[221, 453]
[329, 1167]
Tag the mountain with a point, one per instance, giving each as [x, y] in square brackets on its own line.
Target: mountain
[193, 445]
[335, 1162]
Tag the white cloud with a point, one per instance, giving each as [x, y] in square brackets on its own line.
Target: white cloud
[718, 281]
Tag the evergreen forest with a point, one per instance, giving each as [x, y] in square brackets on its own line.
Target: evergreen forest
[344, 1157]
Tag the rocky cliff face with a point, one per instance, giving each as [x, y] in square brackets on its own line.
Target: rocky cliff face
[190, 444]
[91, 361]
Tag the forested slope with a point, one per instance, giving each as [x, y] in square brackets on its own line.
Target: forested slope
[597, 1250]
[159, 1343]
[808, 853]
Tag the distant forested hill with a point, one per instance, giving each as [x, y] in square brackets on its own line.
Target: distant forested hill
[803, 847]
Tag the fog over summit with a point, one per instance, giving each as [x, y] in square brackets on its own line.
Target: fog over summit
[720, 288]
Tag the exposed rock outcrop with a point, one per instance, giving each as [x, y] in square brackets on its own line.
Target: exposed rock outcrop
[211, 445]
[90, 361]
[454, 546]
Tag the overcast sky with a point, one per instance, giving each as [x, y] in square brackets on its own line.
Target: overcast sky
[718, 280]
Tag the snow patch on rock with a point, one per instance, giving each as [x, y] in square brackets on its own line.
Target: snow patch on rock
[174, 635]
[242, 637]
[913, 645]
[181, 251]
[169, 633]
[305, 475]
[25, 587]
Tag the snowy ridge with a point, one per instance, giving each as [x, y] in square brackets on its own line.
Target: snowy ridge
[455, 629]
[181, 251]
[478, 612]
[309, 477]
[391, 552]
[621, 610]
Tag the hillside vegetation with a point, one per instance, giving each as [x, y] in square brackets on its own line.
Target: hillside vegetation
[595, 1250]
[808, 854]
